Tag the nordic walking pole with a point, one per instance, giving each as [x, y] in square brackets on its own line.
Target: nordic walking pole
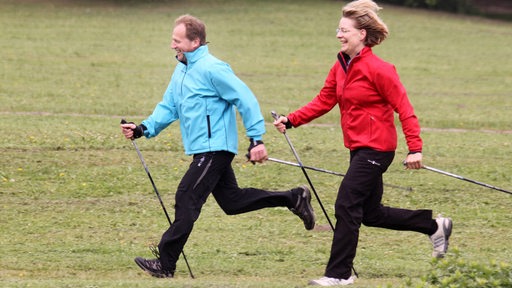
[464, 179]
[306, 167]
[275, 116]
[327, 171]
[158, 195]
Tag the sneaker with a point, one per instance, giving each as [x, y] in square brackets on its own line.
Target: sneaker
[153, 267]
[440, 238]
[327, 281]
[303, 207]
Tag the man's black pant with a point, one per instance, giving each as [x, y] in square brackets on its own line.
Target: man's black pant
[359, 201]
[211, 173]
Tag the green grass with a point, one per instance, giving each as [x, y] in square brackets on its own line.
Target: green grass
[77, 206]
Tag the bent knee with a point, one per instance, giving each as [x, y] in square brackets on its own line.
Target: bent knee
[371, 222]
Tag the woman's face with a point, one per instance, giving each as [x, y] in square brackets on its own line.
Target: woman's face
[351, 38]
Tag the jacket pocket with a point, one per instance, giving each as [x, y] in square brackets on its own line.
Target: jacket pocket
[209, 127]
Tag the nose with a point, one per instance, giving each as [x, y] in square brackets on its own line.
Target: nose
[339, 33]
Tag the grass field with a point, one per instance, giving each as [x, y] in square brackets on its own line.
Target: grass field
[77, 206]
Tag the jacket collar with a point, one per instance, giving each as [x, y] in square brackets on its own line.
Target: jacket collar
[366, 50]
[195, 55]
[345, 60]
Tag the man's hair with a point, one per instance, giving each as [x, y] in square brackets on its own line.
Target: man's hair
[195, 28]
[364, 13]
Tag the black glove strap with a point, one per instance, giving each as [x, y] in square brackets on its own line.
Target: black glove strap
[139, 131]
[288, 123]
[254, 143]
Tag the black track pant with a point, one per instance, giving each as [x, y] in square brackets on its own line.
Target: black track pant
[359, 201]
[211, 173]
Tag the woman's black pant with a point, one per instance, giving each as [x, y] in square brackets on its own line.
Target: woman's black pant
[211, 173]
[359, 201]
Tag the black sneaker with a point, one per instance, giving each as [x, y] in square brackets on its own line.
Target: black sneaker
[303, 207]
[153, 267]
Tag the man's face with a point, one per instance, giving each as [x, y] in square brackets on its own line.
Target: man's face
[180, 42]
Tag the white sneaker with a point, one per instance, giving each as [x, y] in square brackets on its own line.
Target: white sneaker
[440, 238]
[327, 281]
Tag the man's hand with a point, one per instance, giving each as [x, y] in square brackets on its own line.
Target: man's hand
[258, 153]
[127, 130]
[413, 161]
[132, 131]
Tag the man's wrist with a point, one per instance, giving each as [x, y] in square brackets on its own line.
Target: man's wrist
[139, 131]
[255, 142]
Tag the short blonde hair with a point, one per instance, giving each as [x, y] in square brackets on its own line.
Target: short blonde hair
[364, 13]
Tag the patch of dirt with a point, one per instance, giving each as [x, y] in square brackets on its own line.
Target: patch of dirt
[322, 227]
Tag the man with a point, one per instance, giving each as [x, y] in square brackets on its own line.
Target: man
[202, 94]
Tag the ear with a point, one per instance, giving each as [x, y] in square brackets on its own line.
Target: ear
[362, 34]
[196, 43]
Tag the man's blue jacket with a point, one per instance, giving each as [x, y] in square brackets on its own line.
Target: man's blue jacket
[203, 94]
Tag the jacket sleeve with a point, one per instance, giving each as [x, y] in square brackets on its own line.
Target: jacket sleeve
[163, 115]
[322, 103]
[236, 92]
[390, 86]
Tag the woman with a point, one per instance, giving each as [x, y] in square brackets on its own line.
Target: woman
[368, 92]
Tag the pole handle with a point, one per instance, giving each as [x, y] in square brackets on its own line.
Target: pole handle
[274, 115]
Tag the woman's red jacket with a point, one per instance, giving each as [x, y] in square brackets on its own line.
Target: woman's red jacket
[368, 94]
